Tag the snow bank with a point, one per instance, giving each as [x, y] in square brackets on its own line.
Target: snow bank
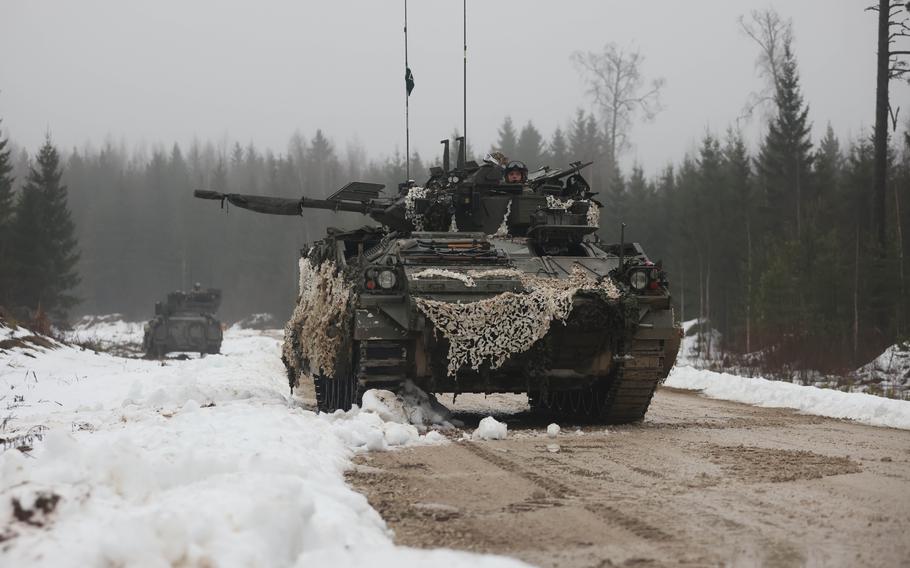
[490, 429]
[868, 409]
[197, 462]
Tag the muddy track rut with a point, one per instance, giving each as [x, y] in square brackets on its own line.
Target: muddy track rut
[699, 483]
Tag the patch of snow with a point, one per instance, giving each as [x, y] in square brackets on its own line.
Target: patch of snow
[197, 462]
[700, 343]
[490, 429]
[13, 333]
[865, 408]
[890, 370]
[258, 321]
[107, 330]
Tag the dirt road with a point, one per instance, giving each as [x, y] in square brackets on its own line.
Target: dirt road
[700, 483]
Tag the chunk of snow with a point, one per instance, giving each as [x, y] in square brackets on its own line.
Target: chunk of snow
[553, 430]
[490, 429]
[410, 406]
[384, 404]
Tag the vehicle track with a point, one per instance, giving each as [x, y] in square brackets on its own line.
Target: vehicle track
[700, 483]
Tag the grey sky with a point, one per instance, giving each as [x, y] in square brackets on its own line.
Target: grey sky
[164, 71]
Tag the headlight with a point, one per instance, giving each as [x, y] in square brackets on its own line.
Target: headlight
[387, 279]
[639, 280]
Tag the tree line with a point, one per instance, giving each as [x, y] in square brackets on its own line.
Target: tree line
[142, 234]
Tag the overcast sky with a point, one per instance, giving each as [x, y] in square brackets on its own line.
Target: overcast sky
[165, 71]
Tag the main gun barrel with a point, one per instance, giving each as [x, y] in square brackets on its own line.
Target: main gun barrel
[283, 205]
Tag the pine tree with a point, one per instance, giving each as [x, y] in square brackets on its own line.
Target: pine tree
[322, 167]
[785, 157]
[508, 140]
[44, 240]
[530, 146]
[614, 211]
[828, 163]
[583, 140]
[709, 197]
[6, 216]
[558, 152]
[739, 252]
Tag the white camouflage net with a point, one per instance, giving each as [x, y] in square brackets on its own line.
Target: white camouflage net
[468, 277]
[496, 273]
[442, 273]
[323, 305]
[593, 215]
[410, 201]
[503, 230]
[557, 203]
[492, 330]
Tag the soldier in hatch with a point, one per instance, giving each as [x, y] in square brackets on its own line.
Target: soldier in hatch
[516, 172]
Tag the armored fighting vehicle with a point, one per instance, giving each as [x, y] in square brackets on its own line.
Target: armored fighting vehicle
[185, 322]
[473, 283]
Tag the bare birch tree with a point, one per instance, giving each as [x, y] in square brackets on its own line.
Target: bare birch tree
[772, 33]
[621, 92]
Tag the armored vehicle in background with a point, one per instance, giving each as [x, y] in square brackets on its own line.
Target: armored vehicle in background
[185, 322]
[471, 283]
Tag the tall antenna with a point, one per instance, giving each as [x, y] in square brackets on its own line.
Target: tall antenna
[464, 5]
[407, 95]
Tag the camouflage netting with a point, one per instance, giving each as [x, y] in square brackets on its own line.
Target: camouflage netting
[503, 230]
[414, 193]
[491, 330]
[442, 273]
[468, 277]
[557, 203]
[593, 215]
[314, 334]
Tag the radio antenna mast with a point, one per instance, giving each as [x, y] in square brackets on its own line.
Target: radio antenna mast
[464, 133]
[408, 82]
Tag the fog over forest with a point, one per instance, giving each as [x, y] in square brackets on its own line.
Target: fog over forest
[145, 103]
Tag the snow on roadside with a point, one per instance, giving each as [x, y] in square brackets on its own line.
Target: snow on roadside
[890, 370]
[197, 462]
[865, 408]
[861, 407]
[107, 330]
